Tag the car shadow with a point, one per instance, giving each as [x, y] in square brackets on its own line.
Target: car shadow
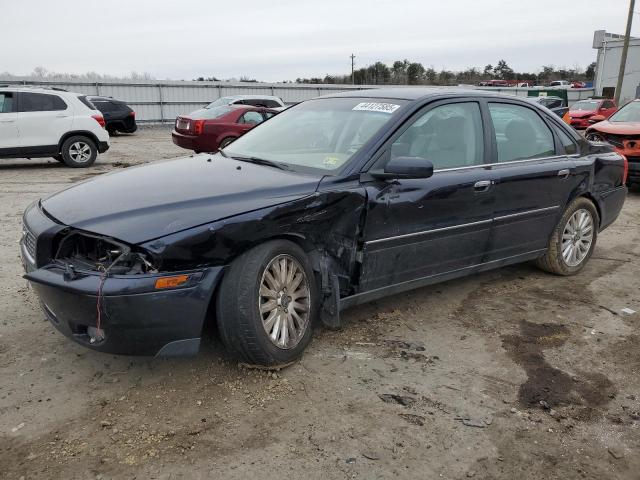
[31, 166]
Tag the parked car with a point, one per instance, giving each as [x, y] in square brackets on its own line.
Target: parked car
[267, 101]
[334, 202]
[582, 113]
[622, 131]
[557, 105]
[578, 84]
[494, 83]
[560, 84]
[49, 122]
[209, 129]
[118, 116]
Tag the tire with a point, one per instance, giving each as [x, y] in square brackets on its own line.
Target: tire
[240, 321]
[79, 152]
[226, 141]
[554, 261]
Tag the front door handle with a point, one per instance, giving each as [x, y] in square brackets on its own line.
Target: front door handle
[62, 115]
[482, 185]
[7, 120]
[564, 173]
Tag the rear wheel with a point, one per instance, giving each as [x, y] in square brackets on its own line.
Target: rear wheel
[79, 152]
[573, 239]
[226, 141]
[267, 303]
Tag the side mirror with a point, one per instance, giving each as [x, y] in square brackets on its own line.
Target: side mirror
[406, 167]
[597, 118]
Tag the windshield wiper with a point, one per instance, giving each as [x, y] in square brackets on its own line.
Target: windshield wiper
[262, 161]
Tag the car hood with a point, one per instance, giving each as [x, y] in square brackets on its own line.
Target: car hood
[617, 128]
[581, 113]
[150, 201]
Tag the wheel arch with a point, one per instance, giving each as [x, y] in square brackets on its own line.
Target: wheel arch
[78, 133]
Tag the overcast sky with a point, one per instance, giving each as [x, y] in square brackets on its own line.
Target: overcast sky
[277, 40]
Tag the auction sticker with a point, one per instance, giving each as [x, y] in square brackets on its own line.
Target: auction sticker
[377, 107]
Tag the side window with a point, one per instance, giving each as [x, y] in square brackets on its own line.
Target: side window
[6, 102]
[607, 104]
[555, 103]
[271, 104]
[268, 115]
[449, 136]
[252, 118]
[520, 133]
[40, 102]
[569, 145]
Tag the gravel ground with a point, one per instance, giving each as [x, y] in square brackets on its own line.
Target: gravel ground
[509, 374]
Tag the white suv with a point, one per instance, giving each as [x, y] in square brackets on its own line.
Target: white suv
[47, 122]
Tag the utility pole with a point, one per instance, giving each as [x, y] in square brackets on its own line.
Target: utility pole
[353, 58]
[625, 49]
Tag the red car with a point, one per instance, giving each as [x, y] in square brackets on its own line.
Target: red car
[580, 113]
[210, 129]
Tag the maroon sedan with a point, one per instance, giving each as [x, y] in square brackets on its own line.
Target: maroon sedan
[210, 129]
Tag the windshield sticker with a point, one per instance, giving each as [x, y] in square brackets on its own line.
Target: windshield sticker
[377, 107]
[331, 161]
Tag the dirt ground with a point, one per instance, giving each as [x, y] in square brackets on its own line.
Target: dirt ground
[510, 374]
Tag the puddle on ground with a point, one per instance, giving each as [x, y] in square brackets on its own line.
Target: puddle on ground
[545, 382]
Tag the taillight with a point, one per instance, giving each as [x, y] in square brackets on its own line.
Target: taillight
[198, 126]
[625, 171]
[132, 114]
[99, 118]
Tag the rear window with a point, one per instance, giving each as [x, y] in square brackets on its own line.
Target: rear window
[209, 113]
[87, 102]
[40, 102]
[6, 102]
[107, 106]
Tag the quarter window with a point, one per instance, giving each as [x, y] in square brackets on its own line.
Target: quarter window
[449, 136]
[520, 133]
[569, 145]
[253, 118]
[40, 102]
[6, 102]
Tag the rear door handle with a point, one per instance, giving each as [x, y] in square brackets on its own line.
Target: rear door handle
[564, 173]
[7, 120]
[482, 185]
[62, 115]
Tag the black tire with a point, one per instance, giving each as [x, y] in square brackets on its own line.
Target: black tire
[239, 319]
[58, 158]
[70, 148]
[226, 141]
[553, 260]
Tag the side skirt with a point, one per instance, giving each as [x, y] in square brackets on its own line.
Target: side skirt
[378, 293]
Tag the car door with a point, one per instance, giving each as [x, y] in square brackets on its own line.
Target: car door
[42, 119]
[534, 177]
[418, 228]
[9, 137]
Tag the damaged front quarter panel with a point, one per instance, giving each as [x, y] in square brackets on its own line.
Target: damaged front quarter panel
[327, 225]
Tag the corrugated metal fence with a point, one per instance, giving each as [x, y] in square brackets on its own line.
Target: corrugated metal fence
[163, 101]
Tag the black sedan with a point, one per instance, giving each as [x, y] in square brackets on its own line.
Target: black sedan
[334, 202]
[118, 116]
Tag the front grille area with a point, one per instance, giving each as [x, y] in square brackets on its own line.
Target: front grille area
[29, 241]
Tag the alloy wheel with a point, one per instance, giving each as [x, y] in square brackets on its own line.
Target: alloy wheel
[80, 152]
[577, 237]
[284, 301]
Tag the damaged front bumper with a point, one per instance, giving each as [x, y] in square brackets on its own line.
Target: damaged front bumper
[136, 318]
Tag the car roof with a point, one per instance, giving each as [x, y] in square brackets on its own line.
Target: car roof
[417, 93]
[252, 96]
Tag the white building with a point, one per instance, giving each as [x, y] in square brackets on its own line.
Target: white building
[609, 46]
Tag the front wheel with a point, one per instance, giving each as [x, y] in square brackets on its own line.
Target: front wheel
[267, 304]
[226, 141]
[573, 239]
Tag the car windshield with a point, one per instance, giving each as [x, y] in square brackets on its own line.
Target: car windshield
[629, 113]
[207, 113]
[584, 105]
[318, 135]
[221, 101]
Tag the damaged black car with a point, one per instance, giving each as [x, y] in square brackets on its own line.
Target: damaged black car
[336, 201]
